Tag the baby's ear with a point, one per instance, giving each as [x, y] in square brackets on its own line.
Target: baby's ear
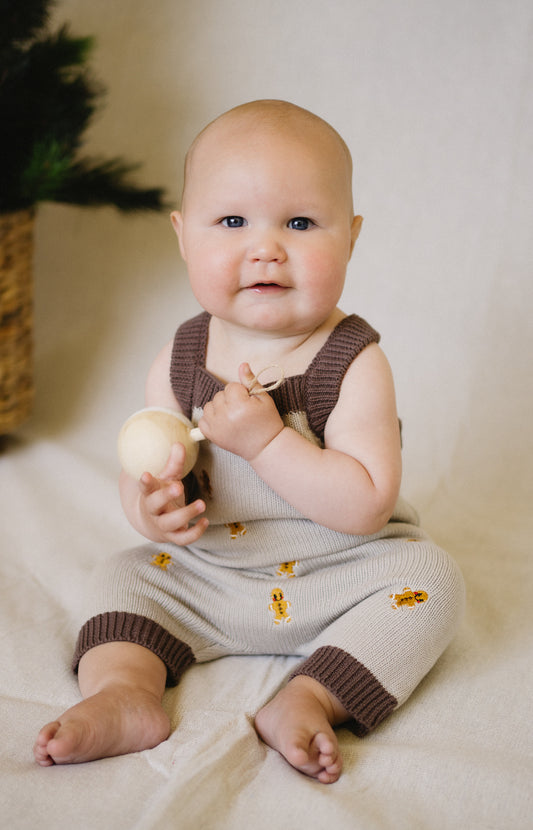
[355, 230]
[177, 223]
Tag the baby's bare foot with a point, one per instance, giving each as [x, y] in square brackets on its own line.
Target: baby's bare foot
[298, 723]
[112, 722]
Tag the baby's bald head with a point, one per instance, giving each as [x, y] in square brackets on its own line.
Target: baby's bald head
[255, 122]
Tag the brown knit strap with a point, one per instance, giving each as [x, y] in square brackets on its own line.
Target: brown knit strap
[325, 374]
[361, 694]
[123, 627]
[188, 356]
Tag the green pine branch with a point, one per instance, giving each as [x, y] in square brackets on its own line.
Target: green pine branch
[47, 100]
[93, 183]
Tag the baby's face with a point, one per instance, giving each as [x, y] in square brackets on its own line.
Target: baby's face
[267, 226]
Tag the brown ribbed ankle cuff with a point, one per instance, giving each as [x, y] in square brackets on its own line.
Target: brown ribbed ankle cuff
[122, 627]
[361, 694]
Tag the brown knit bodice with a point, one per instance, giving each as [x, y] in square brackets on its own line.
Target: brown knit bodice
[315, 391]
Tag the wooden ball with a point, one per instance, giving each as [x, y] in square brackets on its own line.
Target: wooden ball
[145, 440]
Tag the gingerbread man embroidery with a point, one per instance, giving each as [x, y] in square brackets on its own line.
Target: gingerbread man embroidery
[408, 599]
[279, 606]
[236, 529]
[287, 569]
[161, 560]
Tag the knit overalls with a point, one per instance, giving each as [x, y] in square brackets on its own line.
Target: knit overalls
[369, 615]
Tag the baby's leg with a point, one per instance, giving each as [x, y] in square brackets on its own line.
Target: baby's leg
[298, 722]
[122, 685]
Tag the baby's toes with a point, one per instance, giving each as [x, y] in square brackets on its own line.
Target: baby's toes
[329, 759]
[329, 776]
[40, 748]
[326, 749]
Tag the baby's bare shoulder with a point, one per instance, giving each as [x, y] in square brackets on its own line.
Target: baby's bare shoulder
[158, 389]
[367, 400]
[369, 368]
[364, 423]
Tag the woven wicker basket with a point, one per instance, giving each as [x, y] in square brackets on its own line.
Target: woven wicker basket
[16, 318]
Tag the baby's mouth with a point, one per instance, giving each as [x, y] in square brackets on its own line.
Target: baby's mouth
[267, 287]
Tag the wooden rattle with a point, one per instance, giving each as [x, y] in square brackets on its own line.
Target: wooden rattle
[146, 438]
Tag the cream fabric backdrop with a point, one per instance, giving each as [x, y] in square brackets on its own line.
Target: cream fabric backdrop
[434, 99]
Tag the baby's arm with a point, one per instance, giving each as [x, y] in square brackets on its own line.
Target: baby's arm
[156, 507]
[352, 485]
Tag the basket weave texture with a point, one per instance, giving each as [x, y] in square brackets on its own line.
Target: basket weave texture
[16, 318]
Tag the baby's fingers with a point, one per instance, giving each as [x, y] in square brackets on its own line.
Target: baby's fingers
[173, 469]
[178, 522]
[164, 498]
[189, 535]
[148, 484]
[248, 379]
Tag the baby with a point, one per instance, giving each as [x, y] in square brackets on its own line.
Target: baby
[289, 537]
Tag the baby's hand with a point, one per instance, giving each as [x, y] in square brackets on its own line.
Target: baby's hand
[240, 422]
[162, 504]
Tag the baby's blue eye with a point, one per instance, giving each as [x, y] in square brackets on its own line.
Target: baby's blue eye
[299, 223]
[233, 222]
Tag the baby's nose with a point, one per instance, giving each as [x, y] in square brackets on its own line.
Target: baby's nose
[266, 247]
